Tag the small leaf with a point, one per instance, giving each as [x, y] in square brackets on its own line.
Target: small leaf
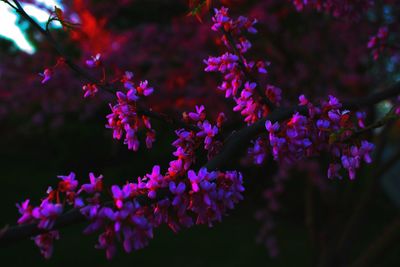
[59, 13]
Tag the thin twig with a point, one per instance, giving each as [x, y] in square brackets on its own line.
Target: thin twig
[89, 78]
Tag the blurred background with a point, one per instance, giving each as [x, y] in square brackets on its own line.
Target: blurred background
[49, 129]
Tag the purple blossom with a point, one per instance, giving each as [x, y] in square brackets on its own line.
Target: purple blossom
[45, 242]
[26, 212]
[47, 74]
[68, 183]
[89, 90]
[47, 213]
[94, 61]
[96, 184]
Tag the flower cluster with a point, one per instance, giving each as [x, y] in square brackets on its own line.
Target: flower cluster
[179, 201]
[338, 8]
[124, 119]
[237, 70]
[48, 211]
[324, 129]
[189, 140]
[377, 43]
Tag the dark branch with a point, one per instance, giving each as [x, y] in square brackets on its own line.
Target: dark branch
[233, 147]
[89, 78]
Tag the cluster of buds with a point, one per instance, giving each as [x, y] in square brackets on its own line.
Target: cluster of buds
[48, 211]
[325, 129]
[124, 119]
[237, 70]
[377, 43]
[338, 8]
[194, 198]
[189, 140]
[179, 198]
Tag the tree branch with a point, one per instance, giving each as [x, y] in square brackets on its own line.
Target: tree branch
[89, 78]
[232, 148]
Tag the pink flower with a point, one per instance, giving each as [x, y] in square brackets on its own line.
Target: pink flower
[68, 183]
[47, 213]
[94, 61]
[199, 115]
[90, 90]
[274, 94]
[47, 74]
[26, 212]
[155, 181]
[45, 242]
[118, 195]
[124, 120]
[208, 132]
[361, 119]
[144, 89]
[96, 184]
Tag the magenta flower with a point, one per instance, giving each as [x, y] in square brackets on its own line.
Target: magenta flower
[107, 241]
[94, 61]
[144, 89]
[199, 115]
[303, 100]
[365, 150]
[125, 120]
[194, 180]
[220, 19]
[47, 213]
[154, 181]
[26, 212]
[68, 183]
[96, 184]
[89, 90]
[45, 242]
[351, 164]
[361, 119]
[178, 191]
[274, 94]
[207, 131]
[118, 195]
[47, 74]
